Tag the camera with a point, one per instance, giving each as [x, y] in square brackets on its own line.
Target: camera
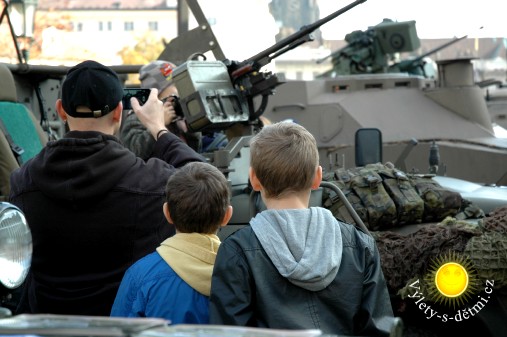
[175, 100]
[141, 95]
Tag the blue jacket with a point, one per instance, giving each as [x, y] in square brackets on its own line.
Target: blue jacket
[151, 288]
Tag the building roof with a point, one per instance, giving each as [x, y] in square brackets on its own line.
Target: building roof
[100, 4]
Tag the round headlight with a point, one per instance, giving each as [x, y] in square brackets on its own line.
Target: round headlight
[15, 246]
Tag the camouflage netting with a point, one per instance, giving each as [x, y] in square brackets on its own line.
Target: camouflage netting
[497, 220]
[405, 256]
[488, 252]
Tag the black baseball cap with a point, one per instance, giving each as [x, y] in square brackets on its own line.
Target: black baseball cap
[93, 85]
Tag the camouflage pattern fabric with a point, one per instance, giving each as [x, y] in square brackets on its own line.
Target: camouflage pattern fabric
[409, 205]
[385, 197]
[368, 186]
[438, 201]
[333, 202]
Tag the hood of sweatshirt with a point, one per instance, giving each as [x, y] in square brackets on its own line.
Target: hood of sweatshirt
[192, 256]
[84, 165]
[305, 245]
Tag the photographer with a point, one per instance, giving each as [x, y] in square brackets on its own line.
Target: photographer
[159, 75]
[93, 207]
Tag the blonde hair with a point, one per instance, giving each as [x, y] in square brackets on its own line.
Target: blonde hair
[284, 157]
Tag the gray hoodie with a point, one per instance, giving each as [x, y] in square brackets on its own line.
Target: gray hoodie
[305, 245]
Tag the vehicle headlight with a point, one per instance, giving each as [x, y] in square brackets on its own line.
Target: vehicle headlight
[15, 246]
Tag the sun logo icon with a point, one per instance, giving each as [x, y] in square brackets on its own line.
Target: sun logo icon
[452, 279]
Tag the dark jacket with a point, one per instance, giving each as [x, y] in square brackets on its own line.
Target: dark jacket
[93, 208]
[300, 269]
[135, 136]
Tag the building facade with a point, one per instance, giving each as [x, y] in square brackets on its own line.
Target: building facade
[101, 29]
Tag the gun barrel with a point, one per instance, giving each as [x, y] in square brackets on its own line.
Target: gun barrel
[445, 45]
[302, 32]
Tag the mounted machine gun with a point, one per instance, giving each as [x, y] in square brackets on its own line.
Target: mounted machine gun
[217, 94]
[416, 66]
[373, 51]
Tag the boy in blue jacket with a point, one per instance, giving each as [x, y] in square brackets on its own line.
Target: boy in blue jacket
[174, 281]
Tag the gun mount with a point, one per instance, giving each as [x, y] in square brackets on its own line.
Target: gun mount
[416, 66]
[374, 51]
[217, 94]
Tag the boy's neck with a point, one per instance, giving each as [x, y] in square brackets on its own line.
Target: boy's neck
[291, 201]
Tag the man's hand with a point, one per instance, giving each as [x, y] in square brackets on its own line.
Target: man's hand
[151, 114]
[169, 112]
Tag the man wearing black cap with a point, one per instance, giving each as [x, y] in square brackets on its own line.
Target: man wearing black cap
[93, 207]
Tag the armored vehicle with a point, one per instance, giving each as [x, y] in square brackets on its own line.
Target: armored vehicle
[415, 110]
[364, 111]
[435, 123]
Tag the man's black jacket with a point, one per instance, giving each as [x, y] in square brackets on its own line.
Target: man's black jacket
[93, 209]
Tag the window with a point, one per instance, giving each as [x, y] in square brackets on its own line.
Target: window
[109, 26]
[128, 26]
[101, 26]
[153, 25]
[79, 26]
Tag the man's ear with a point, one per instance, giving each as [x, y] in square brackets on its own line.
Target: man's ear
[318, 178]
[117, 112]
[227, 216]
[167, 214]
[60, 110]
[256, 184]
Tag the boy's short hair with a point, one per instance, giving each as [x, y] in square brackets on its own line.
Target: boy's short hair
[284, 157]
[198, 196]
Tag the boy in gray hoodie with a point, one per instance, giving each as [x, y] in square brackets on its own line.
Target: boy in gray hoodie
[297, 267]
